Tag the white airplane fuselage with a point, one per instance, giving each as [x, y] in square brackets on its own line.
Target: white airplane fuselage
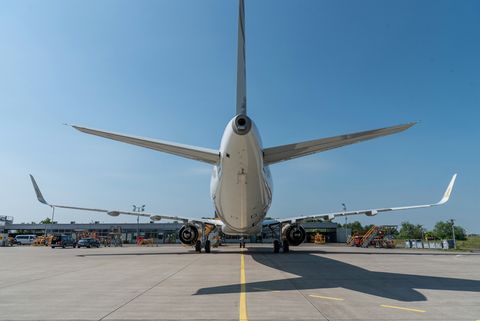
[241, 186]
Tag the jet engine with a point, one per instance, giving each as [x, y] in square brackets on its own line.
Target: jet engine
[188, 234]
[294, 234]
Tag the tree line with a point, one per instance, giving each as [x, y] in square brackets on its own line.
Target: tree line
[441, 230]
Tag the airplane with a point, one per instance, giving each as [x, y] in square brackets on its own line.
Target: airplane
[241, 183]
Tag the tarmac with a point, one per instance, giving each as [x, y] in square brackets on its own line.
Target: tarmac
[171, 282]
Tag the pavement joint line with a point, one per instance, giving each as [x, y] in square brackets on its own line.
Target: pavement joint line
[402, 308]
[326, 297]
[243, 315]
[152, 287]
[51, 276]
[293, 285]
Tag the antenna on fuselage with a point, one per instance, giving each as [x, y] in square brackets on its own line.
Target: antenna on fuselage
[241, 69]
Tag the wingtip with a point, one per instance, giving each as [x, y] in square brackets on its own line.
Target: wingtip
[413, 123]
[405, 126]
[38, 193]
[79, 128]
[448, 191]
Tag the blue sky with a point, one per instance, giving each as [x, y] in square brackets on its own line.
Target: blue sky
[166, 69]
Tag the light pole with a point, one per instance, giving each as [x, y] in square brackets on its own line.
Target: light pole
[346, 220]
[138, 209]
[51, 227]
[453, 233]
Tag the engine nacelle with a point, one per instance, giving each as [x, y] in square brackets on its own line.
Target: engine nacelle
[189, 234]
[294, 234]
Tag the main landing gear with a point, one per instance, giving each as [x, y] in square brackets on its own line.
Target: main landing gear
[204, 241]
[276, 246]
[278, 243]
[206, 245]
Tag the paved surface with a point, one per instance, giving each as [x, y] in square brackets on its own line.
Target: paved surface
[174, 283]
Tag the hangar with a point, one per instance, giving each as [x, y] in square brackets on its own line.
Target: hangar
[160, 232]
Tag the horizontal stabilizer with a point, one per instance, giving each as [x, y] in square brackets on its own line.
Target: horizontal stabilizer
[285, 152]
[197, 153]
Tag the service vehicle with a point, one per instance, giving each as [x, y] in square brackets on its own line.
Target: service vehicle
[88, 242]
[25, 239]
[62, 241]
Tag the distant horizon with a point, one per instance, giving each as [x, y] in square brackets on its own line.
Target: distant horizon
[179, 222]
[167, 70]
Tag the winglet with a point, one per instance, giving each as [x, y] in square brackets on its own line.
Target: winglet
[40, 197]
[448, 191]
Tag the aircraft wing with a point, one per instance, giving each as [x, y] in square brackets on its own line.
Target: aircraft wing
[206, 155]
[152, 216]
[285, 152]
[369, 212]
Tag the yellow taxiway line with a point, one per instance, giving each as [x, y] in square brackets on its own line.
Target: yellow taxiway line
[325, 297]
[243, 294]
[401, 308]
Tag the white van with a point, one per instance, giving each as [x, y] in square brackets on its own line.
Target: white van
[25, 239]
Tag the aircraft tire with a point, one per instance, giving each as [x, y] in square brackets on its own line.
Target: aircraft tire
[198, 246]
[276, 246]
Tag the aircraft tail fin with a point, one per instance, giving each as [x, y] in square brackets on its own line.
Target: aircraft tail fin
[241, 67]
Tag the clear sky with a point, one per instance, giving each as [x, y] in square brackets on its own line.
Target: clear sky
[166, 70]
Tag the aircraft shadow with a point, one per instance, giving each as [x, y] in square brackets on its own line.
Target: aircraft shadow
[317, 272]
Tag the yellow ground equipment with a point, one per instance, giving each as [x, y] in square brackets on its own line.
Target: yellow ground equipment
[378, 236]
[146, 242]
[40, 241]
[319, 238]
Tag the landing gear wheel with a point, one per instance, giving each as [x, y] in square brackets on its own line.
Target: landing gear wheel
[286, 247]
[207, 246]
[276, 246]
[198, 246]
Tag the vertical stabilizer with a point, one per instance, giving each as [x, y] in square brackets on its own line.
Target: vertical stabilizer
[241, 72]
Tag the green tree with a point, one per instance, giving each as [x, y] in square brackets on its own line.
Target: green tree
[460, 233]
[46, 221]
[410, 231]
[367, 227]
[356, 227]
[443, 230]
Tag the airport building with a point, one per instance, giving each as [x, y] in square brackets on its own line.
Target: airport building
[160, 232]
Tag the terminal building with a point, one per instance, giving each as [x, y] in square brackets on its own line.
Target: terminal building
[159, 232]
